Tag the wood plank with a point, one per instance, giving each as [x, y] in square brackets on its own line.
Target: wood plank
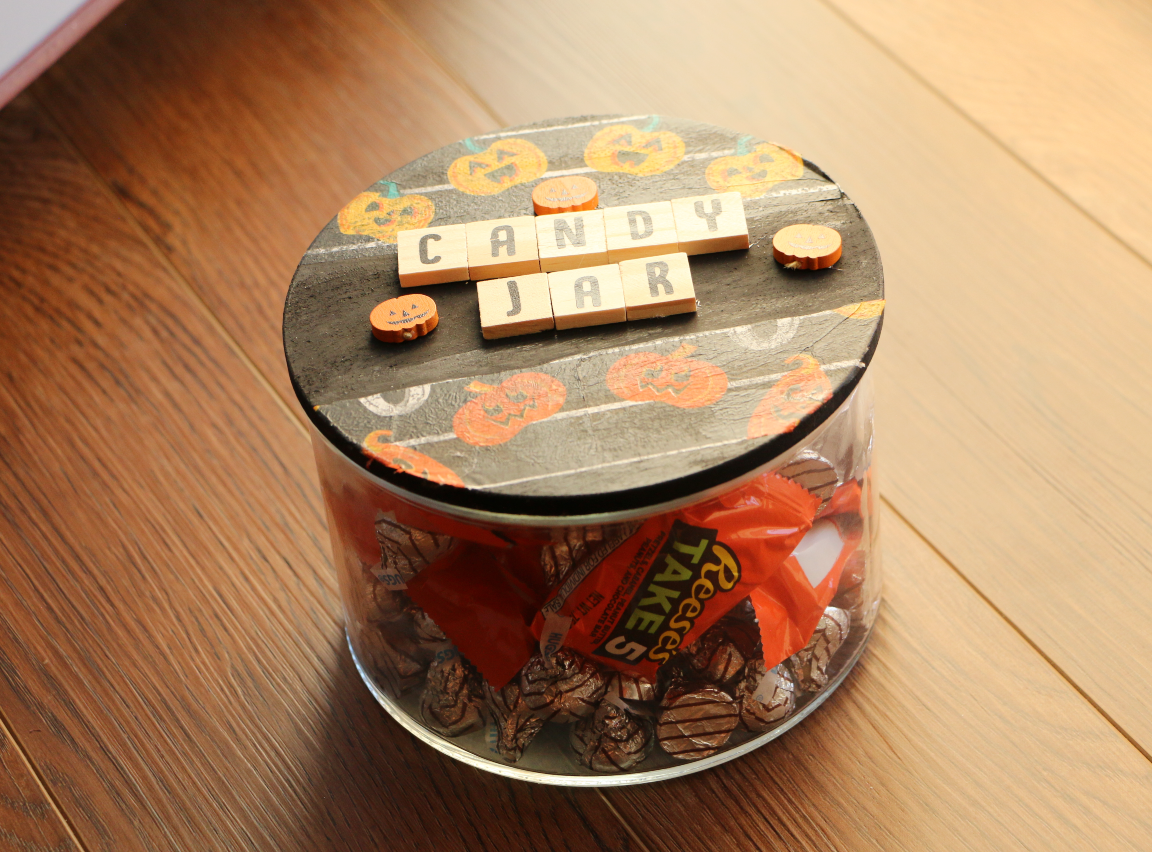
[28, 819]
[235, 130]
[951, 734]
[1015, 439]
[1066, 85]
[170, 640]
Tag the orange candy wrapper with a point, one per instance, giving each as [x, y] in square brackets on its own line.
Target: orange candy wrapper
[645, 591]
[678, 574]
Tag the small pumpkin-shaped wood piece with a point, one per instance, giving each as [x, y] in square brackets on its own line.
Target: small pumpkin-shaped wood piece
[564, 195]
[807, 247]
[634, 150]
[675, 379]
[404, 318]
[407, 460]
[499, 413]
[503, 164]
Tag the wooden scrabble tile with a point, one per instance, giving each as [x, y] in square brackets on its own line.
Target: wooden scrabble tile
[502, 248]
[432, 255]
[640, 231]
[514, 306]
[657, 287]
[710, 223]
[571, 240]
[591, 296]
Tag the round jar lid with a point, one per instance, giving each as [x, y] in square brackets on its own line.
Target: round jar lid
[608, 418]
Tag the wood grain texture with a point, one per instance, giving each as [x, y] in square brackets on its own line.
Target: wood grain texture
[1015, 427]
[28, 819]
[1067, 86]
[235, 130]
[951, 733]
[170, 642]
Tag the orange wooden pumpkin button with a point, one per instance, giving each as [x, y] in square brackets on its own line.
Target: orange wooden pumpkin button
[807, 247]
[404, 318]
[561, 195]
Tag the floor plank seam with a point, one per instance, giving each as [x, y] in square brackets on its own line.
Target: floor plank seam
[57, 807]
[640, 845]
[1031, 643]
[980, 128]
[398, 21]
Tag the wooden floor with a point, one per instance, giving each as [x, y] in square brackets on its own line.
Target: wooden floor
[173, 672]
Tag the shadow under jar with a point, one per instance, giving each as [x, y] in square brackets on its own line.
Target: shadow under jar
[603, 555]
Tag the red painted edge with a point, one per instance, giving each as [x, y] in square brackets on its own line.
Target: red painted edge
[53, 47]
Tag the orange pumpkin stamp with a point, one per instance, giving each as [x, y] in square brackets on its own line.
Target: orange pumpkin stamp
[564, 195]
[807, 247]
[404, 318]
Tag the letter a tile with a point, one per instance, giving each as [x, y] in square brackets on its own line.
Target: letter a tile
[432, 255]
[591, 296]
[502, 248]
[514, 306]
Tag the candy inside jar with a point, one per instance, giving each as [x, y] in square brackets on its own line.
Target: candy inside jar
[749, 608]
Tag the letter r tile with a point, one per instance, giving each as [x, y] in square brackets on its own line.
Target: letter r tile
[432, 255]
[658, 287]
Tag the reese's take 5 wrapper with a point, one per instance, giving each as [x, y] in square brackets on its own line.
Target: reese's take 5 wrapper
[638, 600]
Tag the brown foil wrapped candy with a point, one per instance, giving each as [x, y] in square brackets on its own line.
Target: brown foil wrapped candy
[810, 664]
[814, 473]
[566, 688]
[630, 688]
[720, 652]
[406, 550]
[453, 700]
[612, 739]
[516, 725]
[569, 546]
[765, 696]
[696, 721]
[850, 592]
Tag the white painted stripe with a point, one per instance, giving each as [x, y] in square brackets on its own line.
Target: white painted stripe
[504, 133]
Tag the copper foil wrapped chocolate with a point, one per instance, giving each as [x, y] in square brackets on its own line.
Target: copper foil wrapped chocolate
[562, 689]
[810, 664]
[850, 592]
[423, 628]
[612, 739]
[765, 696]
[814, 473]
[406, 550]
[453, 700]
[560, 556]
[719, 654]
[696, 721]
[629, 688]
[516, 725]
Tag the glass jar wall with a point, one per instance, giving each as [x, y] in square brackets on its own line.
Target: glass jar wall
[606, 650]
